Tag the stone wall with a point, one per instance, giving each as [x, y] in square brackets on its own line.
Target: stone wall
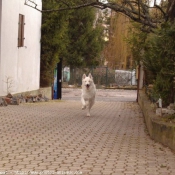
[47, 92]
[159, 131]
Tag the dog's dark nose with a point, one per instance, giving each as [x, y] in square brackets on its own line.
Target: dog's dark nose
[87, 85]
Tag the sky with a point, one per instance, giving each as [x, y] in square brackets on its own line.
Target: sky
[104, 1]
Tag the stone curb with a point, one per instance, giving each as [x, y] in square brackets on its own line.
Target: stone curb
[160, 131]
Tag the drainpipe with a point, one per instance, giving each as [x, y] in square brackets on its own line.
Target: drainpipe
[138, 82]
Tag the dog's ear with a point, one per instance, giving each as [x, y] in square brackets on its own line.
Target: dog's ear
[90, 76]
[84, 76]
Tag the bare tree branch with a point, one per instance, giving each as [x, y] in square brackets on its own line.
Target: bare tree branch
[136, 10]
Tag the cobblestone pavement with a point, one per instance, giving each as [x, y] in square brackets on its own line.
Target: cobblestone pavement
[102, 94]
[57, 138]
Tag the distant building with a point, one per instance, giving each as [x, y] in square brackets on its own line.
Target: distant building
[20, 34]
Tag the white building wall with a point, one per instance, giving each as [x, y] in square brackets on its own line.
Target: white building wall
[20, 64]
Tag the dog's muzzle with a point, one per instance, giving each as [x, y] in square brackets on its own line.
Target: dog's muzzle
[87, 85]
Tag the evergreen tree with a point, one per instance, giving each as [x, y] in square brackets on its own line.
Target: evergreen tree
[156, 51]
[86, 40]
[159, 58]
[54, 41]
[70, 35]
[136, 41]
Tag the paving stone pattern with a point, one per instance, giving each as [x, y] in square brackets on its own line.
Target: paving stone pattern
[57, 138]
[107, 95]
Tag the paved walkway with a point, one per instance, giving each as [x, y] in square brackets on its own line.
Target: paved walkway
[57, 138]
[102, 95]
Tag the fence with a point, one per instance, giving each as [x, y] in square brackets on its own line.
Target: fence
[103, 76]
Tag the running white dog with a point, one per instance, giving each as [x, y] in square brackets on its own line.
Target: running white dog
[88, 92]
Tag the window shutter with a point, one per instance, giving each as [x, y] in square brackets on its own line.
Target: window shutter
[21, 30]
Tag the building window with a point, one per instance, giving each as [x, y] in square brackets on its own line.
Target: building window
[21, 31]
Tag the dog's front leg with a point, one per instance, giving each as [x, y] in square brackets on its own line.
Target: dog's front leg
[83, 103]
[88, 113]
[90, 104]
[89, 108]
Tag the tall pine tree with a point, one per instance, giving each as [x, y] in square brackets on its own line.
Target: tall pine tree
[70, 35]
[54, 41]
[86, 39]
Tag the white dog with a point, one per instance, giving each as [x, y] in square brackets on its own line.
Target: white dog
[88, 92]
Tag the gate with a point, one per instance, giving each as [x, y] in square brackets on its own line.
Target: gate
[125, 77]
